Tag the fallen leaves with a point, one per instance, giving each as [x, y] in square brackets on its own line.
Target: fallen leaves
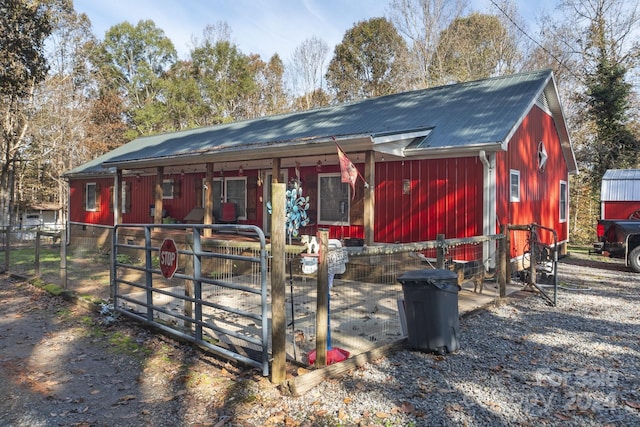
[631, 404]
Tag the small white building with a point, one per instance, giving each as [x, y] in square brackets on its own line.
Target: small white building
[44, 215]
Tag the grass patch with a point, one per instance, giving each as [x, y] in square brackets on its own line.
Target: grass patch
[53, 289]
[579, 249]
[124, 344]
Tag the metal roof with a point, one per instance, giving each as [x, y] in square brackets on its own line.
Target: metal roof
[620, 185]
[476, 115]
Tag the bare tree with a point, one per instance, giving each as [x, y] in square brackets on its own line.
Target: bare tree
[421, 23]
[307, 69]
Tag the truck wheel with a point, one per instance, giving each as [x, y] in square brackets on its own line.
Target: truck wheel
[634, 259]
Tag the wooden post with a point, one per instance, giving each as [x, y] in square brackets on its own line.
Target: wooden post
[533, 241]
[441, 251]
[63, 260]
[7, 248]
[322, 299]
[208, 202]
[278, 255]
[502, 261]
[37, 257]
[275, 172]
[507, 250]
[369, 198]
[157, 217]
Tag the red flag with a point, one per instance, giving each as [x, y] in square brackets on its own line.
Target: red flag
[348, 171]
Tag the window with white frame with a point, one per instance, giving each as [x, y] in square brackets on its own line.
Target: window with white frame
[333, 200]
[514, 184]
[167, 189]
[235, 191]
[125, 195]
[91, 197]
[564, 201]
[125, 198]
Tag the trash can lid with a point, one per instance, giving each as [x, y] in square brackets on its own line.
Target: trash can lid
[428, 274]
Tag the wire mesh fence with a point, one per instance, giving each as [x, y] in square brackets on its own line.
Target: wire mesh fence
[81, 265]
[365, 302]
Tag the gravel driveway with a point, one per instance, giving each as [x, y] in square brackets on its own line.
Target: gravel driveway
[520, 363]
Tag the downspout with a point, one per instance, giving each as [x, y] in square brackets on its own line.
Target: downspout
[489, 208]
[484, 160]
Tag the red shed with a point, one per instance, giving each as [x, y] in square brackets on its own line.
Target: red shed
[620, 194]
[458, 160]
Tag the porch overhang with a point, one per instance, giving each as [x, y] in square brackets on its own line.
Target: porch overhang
[254, 155]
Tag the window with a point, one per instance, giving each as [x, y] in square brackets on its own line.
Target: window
[125, 198]
[236, 192]
[515, 185]
[564, 197]
[91, 202]
[333, 200]
[167, 189]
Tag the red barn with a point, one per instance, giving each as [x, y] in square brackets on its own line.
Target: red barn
[458, 160]
[620, 194]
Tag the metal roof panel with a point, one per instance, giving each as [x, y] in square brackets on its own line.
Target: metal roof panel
[461, 115]
[620, 185]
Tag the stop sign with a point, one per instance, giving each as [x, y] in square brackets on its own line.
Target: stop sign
[168, 258]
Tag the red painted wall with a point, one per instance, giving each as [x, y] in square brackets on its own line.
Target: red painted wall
[77, 212]
[539, 190]
[444, 197]
[619, 209]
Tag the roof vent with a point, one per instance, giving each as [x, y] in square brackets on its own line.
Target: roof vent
[543, 102]
[419, 142]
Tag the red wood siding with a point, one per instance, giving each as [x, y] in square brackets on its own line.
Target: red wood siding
[78, 213]
[445, 197]
[539, 191]
[619, 209]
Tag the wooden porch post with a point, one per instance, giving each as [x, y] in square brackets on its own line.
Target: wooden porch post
[157, 217]
[275, 172]
[502, 261]
[208, 202]
[322, 300]
[278, 261]
[369, 198]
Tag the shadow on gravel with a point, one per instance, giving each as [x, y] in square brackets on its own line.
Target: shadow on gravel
[529, 363]
[597, 262]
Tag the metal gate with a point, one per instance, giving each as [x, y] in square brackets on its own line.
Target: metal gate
[214, 296]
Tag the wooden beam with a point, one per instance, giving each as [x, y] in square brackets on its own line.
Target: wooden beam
[275, 171]
[278, 256]
[322, 299]
[502, 261]
[298, 386]
[440, 251]
[369, 198]
[157, 217]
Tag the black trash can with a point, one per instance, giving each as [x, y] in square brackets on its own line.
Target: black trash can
[431, 308]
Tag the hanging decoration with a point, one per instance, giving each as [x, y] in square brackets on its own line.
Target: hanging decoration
[296, 210]
[348, 171]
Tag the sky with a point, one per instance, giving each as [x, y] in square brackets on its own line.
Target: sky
[263, 27]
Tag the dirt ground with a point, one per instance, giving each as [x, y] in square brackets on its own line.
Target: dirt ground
[60, 365]
[63, 365]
